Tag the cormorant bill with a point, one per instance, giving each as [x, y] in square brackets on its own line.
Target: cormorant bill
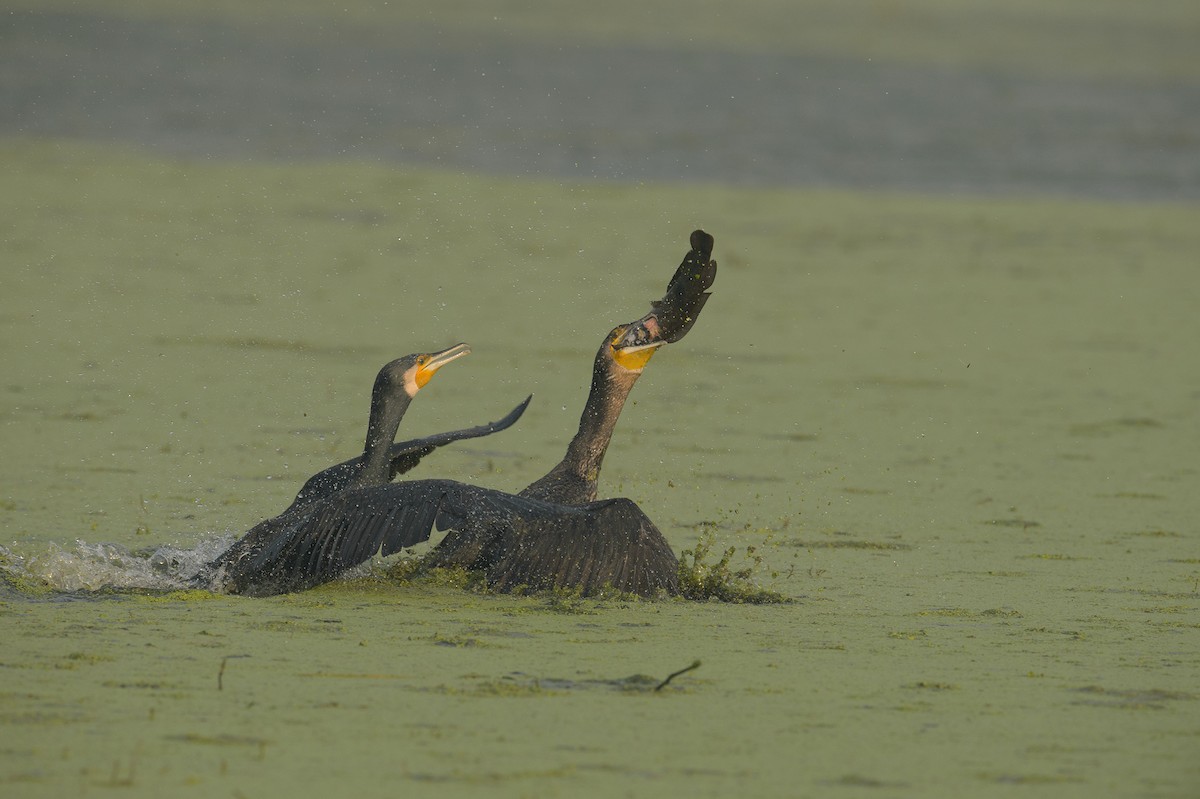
[395, 386]
[554, 534]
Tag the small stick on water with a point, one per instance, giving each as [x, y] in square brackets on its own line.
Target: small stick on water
[663, 684]
[224, 660]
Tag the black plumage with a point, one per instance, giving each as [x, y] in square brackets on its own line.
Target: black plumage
[526, 543]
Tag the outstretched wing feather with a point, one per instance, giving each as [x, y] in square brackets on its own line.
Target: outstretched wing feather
[587, 547]
[342, 532]
[403, 456]
[518, 541]
[407, 454]
[687, 292]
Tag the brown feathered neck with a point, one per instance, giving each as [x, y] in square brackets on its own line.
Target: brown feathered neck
[573, 481]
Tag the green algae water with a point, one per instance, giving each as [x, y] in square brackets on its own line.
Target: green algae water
[959, 434]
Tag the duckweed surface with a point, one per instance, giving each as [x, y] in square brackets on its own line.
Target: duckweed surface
[957, 435]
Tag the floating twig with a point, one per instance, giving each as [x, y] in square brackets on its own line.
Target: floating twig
[663, 684]
[227, 658]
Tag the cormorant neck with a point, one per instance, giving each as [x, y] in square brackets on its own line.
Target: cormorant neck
[575, 478]
[610, 388]
[387, 409]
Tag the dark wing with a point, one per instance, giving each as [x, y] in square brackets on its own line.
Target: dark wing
[674, 315]
[407, 454]
[516, 540]
[540, 546]
[404, 456]
[229, 562]
[317, 544]
[688, 290]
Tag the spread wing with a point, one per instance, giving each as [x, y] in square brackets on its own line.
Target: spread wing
[316, 544]
[585, 547]
[516, 540]
[407, 454]
[688, 290]
[685, 297]
[404, 456]
[542, 545]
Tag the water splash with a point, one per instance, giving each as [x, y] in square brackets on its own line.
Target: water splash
[106, 566]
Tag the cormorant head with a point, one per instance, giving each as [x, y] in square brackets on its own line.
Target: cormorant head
[631, 346]
[412, 372]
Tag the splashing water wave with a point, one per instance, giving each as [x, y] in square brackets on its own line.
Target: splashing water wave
[104, 566]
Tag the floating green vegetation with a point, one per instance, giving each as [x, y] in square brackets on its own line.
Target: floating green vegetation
[218, 740]
[958, 612]
[141, 685]
[859, 781]
[964, 613]
[69, 662]
[502, 687]
[1186, 609]
[1024, 524]
[567, 601]
[699, 579]
[178, 595]
[1031, 779]
[456, 641]
[702, 580]
[1136, 699]
[19, 581]
[908, 635]
[519, 684]
[341, 675]
[1111, 426]
[571, 601]
[834, 543]
[90, 658]
[410, 568]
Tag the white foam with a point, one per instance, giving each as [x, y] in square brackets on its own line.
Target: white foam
[101, 566]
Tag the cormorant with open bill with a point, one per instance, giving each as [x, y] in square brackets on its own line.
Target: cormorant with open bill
[395, 386]
[623, 541]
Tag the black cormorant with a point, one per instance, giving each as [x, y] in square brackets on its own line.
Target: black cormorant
[381, 461]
